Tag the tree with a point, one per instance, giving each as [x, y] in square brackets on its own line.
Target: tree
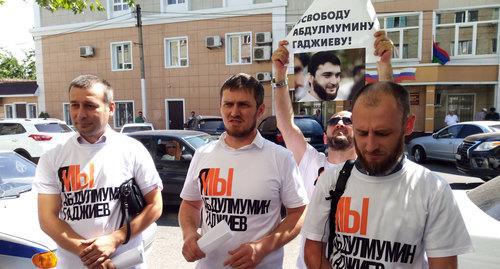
[77, 6]
[10, 67]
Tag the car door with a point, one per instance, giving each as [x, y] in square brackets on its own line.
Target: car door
[172, 170]
[443, 145]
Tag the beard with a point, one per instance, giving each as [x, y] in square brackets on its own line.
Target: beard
[242, 132]
[340, 142]
[382, 167]
[322, 93]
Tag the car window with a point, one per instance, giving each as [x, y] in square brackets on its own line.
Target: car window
[11, 129]
[215, 124]
[131, 129]
[16, 174]
[468, 129]
[198, 141]
[487, 197]
[450, 132]
[268, 125]
[307, 125]
[53, 127]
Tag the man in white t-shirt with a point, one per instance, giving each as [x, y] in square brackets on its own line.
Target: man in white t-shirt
[394, 213]
[242, 179]
[78, 182]
[340, 146]
[451, 118]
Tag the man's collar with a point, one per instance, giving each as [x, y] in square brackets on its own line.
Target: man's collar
[395, 168]
[258, 142]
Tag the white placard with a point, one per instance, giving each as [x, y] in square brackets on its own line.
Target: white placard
[215, 237]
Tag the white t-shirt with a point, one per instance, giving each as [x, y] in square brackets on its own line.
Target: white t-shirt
[310, 164]
[245, 187]
[388, 222]
[450, 119]
[88, 176]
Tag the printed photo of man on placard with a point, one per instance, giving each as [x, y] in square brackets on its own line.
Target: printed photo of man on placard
[328, 75]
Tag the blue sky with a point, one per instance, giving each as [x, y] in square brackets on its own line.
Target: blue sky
[16, 20]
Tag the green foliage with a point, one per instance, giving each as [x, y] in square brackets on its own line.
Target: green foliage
[44, 115]
[10, 67]
[77, 6]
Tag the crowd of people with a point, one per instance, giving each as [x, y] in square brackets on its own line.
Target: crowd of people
[399, 210]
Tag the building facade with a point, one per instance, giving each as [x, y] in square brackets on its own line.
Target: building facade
[192, 46]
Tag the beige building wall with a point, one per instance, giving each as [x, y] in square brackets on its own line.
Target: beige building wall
[61, 17]
[197, 84]
[205, 4]
[466, 3]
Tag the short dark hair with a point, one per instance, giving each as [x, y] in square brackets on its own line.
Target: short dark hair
[304, 58]
[320, 58]
[87, 81]
[395, 90]
[244, 82]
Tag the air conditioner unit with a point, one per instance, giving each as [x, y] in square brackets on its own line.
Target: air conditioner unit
[213, 42]
[263, 76]
[262, 53]
[263, 38]
[86, 51]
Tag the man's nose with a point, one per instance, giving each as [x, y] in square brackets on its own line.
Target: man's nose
[371, 143]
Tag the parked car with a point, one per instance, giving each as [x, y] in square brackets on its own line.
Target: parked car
[20, 234]
[479, 156]
[173, 169]
[443, 144]
[32, 137]
[311, 128]
[136, 127]
[480, 208]
[212, 125]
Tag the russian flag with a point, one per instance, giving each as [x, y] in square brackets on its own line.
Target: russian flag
[439, 55]
[398, 75]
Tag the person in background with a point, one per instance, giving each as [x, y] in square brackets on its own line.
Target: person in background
[140, 118]
[492, 114]
[451, 118]
[480, 115]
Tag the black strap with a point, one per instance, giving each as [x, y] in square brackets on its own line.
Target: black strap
[125, 218]
[334, 199]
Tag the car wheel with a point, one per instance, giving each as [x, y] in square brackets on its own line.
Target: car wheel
[419, 154]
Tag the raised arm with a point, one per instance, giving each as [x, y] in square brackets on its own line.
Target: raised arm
[294, 139]
[383, 48]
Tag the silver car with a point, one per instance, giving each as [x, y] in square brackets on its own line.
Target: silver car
[443, 144]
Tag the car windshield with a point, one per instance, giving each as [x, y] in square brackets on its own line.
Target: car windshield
[53, 127]
[132, 129]
[198, 141]
[16, 174]
[308, 125]
[487, 197]
[496, 128]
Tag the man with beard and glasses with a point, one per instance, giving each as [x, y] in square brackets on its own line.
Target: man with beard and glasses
[394, 213]
[242, 179]
[339, 128]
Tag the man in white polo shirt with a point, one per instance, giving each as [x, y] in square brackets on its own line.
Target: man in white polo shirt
[242, 179]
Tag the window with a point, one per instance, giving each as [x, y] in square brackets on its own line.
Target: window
[469, 130]
[121, 56]
[467, 32]
[176, 52]
[239, 48]
[9, 111]
[11, 129]
[174, 2]
[120, 5]
[31, 110]
[66, 114]
[124, 113]
[404, 31]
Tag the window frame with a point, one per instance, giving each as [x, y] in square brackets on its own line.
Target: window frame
[116, 115]
[166, 48]
[228, 47]
[114, 57]
[474, 24]
[28, 105]
[67, 118]
[12, 109]
[400, 29]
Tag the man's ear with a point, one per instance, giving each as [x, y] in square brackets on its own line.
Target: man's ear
[260, 110]
[409, 124]
[111, 108]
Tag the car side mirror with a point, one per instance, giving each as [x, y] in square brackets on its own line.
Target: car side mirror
[435, 135]
[186, 157]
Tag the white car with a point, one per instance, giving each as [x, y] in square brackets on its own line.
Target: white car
[32, 137]
[22, 242]
[136, 127]
[480, 208]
